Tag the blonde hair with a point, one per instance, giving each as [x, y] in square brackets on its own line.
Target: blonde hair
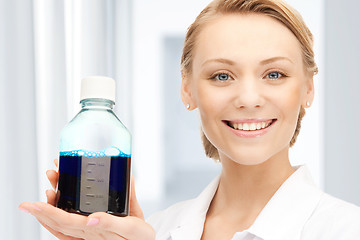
[276, 9]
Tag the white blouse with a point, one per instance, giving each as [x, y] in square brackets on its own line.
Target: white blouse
[298, 210]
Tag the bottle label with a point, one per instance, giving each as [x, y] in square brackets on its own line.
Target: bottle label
[94, 184]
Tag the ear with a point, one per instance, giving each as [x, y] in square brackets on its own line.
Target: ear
[309, 97]
[186, 93]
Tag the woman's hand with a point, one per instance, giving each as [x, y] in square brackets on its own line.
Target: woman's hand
[70, 226]
[53, 177]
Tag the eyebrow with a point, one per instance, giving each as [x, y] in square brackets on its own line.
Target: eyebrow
[219, 60]
[263, 62]
[274, 59]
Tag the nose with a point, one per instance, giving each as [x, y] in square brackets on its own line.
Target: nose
[248, 94]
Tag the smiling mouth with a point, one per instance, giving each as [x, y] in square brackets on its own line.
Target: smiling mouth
[250, 126]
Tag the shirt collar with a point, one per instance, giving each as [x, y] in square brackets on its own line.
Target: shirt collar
[289, 209]
[193, 217]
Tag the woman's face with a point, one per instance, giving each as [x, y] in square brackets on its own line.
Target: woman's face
[248, 81]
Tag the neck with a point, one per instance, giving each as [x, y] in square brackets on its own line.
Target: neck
[246, 189]
[97, 103]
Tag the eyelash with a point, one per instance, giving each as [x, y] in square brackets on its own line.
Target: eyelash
[282, 74]
[214, 76]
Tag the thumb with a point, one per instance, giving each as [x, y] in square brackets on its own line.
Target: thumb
[135, 209]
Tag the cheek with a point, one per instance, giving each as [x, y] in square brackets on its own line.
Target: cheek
[211, 101]
[290, 101]
[213, 104]
[289, 105]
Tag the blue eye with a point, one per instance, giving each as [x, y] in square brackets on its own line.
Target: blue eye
[274, 75]
[222, 77]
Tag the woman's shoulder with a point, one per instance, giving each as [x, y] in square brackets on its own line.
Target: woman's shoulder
[335, 208]
[335, 218]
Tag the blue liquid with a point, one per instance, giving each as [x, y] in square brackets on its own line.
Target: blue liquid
[70, 179]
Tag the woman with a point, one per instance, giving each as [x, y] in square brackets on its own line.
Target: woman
[248, 67]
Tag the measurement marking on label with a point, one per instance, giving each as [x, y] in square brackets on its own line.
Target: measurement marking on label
[94, 184]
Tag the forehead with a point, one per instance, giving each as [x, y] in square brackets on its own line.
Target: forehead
[246, 37]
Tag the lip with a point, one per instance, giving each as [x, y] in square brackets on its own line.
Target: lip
[250, 134]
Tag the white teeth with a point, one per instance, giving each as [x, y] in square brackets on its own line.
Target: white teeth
[250, 126]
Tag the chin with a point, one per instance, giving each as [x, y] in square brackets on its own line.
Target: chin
[250, 163]
[245, 159]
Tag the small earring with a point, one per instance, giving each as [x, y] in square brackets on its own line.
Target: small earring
[217, 161]
[308, 104]
[187, 106]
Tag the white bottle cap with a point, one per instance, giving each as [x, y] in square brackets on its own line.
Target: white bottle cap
[97, 87]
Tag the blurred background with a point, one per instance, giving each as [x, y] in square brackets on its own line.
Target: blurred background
[47, 46]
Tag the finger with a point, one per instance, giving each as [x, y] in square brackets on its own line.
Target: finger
[126, 227]
[96, 234]
[53, 177]
[66, 223]
[51, 197]
[90, 235]
[56, 162]
[135, 209]
[59, 235]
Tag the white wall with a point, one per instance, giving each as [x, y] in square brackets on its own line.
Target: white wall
[309, 148]
[18, 171]
[152, 21]
[342, 100]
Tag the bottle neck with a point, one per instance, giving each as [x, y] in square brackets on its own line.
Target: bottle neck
[97, 103]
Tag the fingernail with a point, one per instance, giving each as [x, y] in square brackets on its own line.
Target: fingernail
[23, 209]
[93, 222]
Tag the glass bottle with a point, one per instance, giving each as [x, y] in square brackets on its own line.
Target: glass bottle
[95, 154]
